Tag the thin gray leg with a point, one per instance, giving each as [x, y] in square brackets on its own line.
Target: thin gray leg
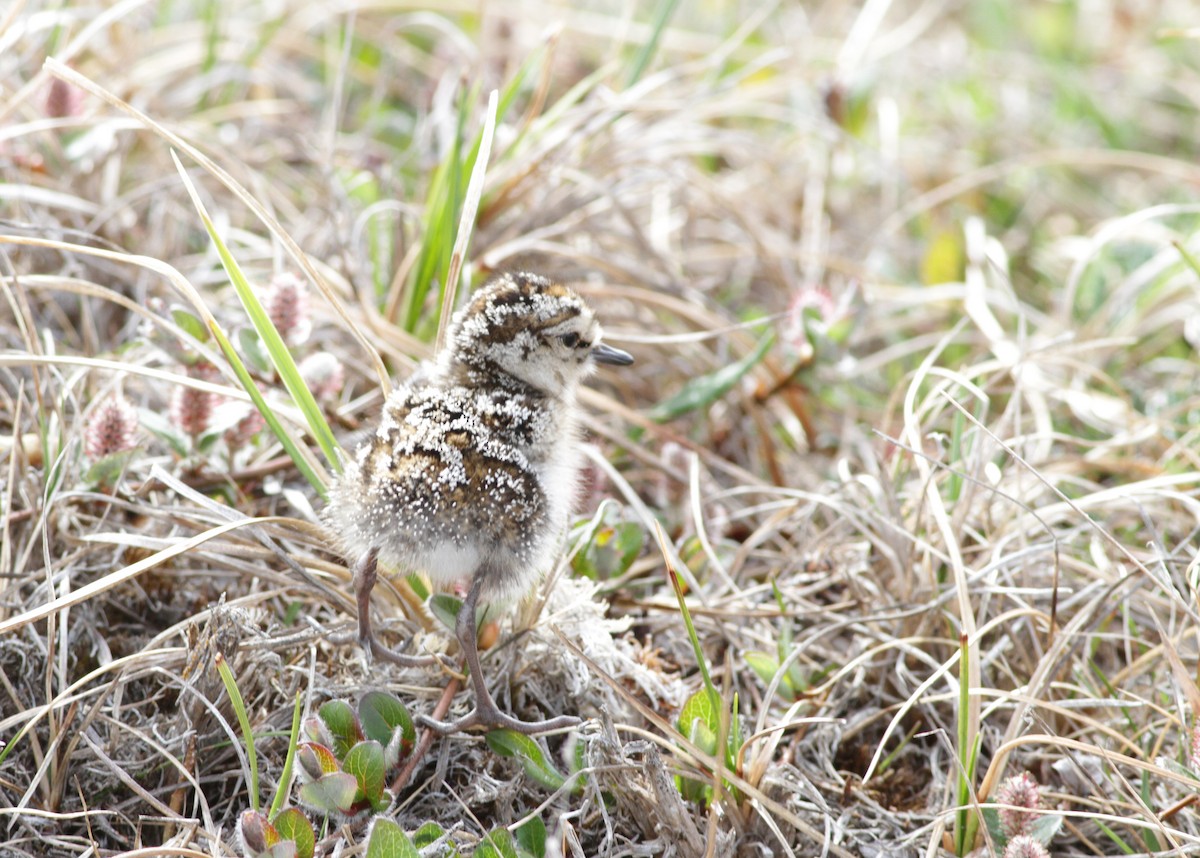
[485, 713]
[366, 572]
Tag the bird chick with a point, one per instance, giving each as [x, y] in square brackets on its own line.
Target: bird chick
[471, 474]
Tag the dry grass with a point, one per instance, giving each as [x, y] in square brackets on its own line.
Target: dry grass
[970, 498]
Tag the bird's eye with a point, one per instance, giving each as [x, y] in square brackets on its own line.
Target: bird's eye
[570, 340]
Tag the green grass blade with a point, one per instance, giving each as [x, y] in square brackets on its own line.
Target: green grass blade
[466, 221]
[663, 13]
[687, 616]
[285, 777]
[278, 351]
[293, 449]
[964, 830]
[239, 707]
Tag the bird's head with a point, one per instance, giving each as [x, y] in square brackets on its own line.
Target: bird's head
[534, 330]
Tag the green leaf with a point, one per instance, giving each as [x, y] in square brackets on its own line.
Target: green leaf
[641, 60]
[428, 834]
[388, 840]
[1187, 257]
[677, 586]
[699, 720]
[611, 551]
[445, 607]
[284, 785]
[257, 833]
[252, 348]
[510, 743]
[765, 666]
[332, 793]
[991, 818]
[281, 358]
[342, 724]
[314, 730]
[107, 471]
[1045, 828]
[531, 837]
[293, 825]
[703, 391]
[192, 326]
[496, 844]
[365, 762]
[733, 741]
[239, 708]
[693, 790]
[316, 760]
[386, 720]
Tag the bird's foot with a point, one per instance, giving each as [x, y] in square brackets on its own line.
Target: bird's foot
[383, 653]
[492, 718]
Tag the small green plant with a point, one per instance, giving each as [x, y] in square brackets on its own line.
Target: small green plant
[288, 835]
[605, 546]
[1016, 816]
[703, 720]
[793, 683]
[345, 761]
[347, 757]
[510, 743]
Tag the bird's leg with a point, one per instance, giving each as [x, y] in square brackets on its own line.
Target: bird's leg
[366, 572]
[485, 713]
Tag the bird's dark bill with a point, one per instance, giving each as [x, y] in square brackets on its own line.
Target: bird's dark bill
[609, 355]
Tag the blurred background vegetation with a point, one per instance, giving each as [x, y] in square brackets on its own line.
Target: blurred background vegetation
[912, 294]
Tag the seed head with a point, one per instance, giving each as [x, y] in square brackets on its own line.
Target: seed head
[111, 428]
[63, 100]
[287, 305]
[323, 374]
[1018, 791]
[190, 409]
[245, 429]
[1024, 846]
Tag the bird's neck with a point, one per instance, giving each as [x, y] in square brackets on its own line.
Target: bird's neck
[486, 375]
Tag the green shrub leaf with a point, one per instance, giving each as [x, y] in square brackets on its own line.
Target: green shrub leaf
[316, 760]
[192, 326]
[365, 762]
[707, 389]
[531, 838]
[342, 724]
[293, 825]
[445, 608]
[509, 743]
[386, 720]
[496, 844]
[332, 793]
[388, 840]
[699, 720]
[428, 834]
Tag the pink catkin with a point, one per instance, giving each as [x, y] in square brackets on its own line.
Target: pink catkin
[1194, 758]
[112, 428]
[1024, 846]
[245, 429]
[1018, 791]
[63, 100]
[287, 306]
[323, 374]
[190, 410]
